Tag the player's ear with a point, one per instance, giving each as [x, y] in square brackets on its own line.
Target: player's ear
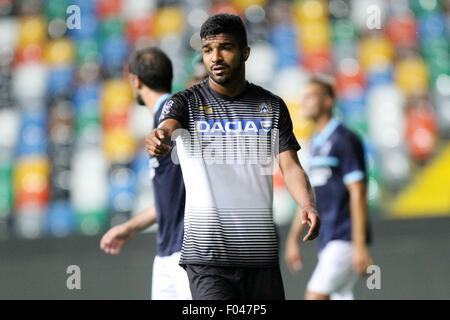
[329, 102]
[137, 82]
[246, 52]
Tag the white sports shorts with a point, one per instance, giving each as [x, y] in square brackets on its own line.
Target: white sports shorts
[334, 275]
[169, 280]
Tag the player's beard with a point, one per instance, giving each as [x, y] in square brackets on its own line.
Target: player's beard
[139, 100]
[232, 75]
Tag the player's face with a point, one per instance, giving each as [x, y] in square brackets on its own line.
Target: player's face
[223, 58]
[139, 100]
[313, 101]
[135, 85]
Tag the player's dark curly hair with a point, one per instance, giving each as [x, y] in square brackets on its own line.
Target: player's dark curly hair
[153, 67]
[225, 23]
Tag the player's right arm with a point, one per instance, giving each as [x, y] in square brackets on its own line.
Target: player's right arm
[116, 237]
[159, 141]
[174, 115]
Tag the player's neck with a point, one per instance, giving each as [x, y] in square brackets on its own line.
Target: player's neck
[151, 97]
[231, 89]
[322, 122]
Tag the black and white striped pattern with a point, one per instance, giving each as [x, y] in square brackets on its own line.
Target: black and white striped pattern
[228, 217]
[229, 237]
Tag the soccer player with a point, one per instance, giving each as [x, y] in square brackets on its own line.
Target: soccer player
[226, 129]
[151, 76]
[338, 175]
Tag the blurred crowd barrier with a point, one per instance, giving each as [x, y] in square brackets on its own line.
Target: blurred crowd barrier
[71, 134]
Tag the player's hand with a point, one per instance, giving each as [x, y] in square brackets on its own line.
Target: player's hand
[361, 259]
[113, 240]
[155, 143]
[293, 256]
[310, 216]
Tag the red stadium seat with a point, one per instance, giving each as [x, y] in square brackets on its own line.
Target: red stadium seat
[421, 132]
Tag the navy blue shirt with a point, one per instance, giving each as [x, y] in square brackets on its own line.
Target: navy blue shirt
[169, 193]
[336, 159]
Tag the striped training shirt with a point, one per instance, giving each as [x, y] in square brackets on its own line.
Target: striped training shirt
[225, 149]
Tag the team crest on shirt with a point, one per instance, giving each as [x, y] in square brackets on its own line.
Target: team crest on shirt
[265, 108]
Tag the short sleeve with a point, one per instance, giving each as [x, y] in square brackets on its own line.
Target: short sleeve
[352, 159]
[287, 140]
[176, 108]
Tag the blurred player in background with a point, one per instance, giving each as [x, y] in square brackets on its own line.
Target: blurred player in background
[151, 76]
[200, 73]
[338, 175]
[230, 245]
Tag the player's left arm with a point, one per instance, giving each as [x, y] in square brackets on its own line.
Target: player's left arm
[299, 187]
[295, 178]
